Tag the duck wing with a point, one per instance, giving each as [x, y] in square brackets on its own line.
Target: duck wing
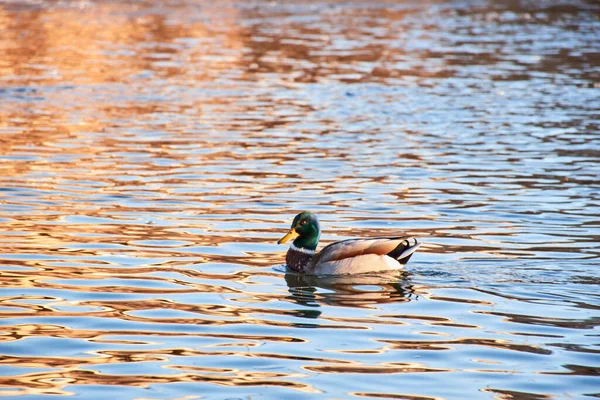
[398, 248]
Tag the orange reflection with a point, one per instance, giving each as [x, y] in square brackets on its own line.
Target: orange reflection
[56, 382]
[450, 344]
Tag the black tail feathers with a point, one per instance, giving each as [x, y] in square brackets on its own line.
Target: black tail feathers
[404, 250]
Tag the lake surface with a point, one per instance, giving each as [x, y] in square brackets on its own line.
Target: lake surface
[152, 153]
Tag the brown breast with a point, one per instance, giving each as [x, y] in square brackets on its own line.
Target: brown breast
[297, 261]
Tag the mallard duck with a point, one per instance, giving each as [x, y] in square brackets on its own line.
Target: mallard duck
[352, 256]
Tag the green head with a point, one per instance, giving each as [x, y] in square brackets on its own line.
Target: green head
[305, 231]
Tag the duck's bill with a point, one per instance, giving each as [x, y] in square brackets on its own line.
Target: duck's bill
[291, 235]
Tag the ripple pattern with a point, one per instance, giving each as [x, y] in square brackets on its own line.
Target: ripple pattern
[152, 153]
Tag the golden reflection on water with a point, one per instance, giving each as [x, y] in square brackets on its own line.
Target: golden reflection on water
[83, 45]
[55, 382]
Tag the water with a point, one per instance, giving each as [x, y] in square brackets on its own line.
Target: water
[152, 153]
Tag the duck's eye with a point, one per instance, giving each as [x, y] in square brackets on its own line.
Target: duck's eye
[303, 222]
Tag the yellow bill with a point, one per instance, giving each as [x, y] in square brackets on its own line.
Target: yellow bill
[291, 235]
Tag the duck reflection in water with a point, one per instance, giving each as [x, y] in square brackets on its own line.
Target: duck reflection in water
[361, 291]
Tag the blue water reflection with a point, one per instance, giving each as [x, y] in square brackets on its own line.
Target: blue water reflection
[152, 154]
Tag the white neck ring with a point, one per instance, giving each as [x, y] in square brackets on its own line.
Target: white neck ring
[305, 251]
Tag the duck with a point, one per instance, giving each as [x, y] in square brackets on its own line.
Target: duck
[351, 256]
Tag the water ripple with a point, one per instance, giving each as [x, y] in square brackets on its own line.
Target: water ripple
[152, 154]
